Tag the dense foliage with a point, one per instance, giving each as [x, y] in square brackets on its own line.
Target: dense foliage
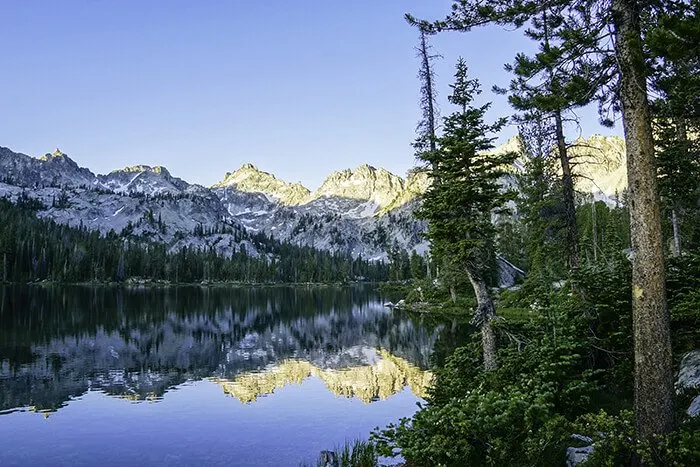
[566, 367]
[33, 249]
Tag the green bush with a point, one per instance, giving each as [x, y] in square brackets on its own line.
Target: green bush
[615, 443]
[518, 414]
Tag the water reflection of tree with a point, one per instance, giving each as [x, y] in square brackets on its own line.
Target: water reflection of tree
[53, 340]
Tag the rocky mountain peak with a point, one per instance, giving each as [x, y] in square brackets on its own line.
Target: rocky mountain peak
[57, 156]
[158, 169]
[602, 165]
[143, 179]
[248, 178]
[51, 169]
[364, 183]
[61, 162]
[514, 144]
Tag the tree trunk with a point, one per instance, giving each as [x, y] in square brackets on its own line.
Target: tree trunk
[483, 315]
[568, 195]
[429, 94]
[594, 230]
[676, 234]
[453, 293]
[682, 137]
[653, 395]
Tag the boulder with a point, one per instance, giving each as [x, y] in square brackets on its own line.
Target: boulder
[689, 373]
[576, 456]
[688, 381]
[694, 409]
[329, 459]
[508, 273]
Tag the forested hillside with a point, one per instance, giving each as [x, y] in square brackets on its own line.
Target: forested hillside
[35, 249]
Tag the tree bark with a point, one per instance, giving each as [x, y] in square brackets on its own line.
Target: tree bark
[653, 395]
[483, 315]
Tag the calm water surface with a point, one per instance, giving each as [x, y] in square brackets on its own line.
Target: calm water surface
[190, 376]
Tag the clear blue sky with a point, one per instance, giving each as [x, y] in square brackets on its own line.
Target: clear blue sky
[298, 87]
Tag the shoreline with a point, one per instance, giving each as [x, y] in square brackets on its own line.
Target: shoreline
[167, 284]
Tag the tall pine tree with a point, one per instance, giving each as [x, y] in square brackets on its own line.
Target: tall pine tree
[460, 207]
[545, 94]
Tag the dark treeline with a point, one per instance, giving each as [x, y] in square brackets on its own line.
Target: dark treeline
[33, 249]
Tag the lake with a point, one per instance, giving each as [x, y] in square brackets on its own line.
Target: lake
[190, 376]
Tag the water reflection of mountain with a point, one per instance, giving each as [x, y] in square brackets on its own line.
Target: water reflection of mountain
[382, 376]
[56, 343]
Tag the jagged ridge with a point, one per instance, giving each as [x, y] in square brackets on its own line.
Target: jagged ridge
[364, 211]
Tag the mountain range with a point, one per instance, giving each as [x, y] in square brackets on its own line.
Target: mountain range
[364, 211]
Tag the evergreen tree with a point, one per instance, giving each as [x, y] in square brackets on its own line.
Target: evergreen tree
[459, 208]
[427, 126]
[539, 204]
[545, 94]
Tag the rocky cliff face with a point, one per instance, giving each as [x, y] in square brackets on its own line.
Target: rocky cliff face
[365, 183]
[363, 211]
[52, 169]
[142, 179]
[348, 212]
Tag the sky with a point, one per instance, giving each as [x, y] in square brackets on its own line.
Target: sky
[299, 88]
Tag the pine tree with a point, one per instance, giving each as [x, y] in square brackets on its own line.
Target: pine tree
[460, 207]
[121, 268]
[544, 94]
[538, 203]
[654, 377]
[427, 126]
